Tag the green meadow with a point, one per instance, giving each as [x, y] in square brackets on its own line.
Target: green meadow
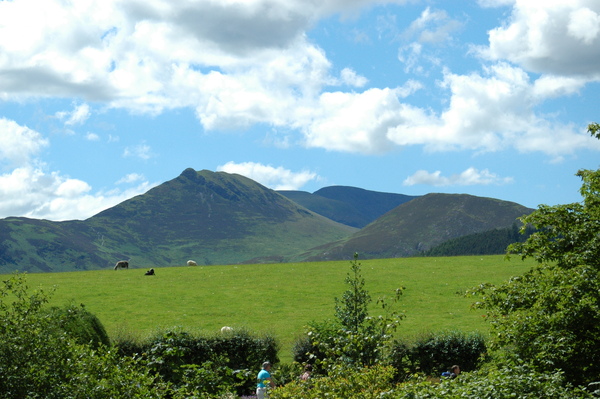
[278, 298]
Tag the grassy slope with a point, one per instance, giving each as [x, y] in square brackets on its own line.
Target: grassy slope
[278, 298]
[422, 223]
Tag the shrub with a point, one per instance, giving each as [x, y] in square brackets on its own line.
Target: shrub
[508, 382]
[80, 324]
[39, 359]
[434, 353]
[343, 383]
[177, 355]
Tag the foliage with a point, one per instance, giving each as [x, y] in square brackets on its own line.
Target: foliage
[80, 324]
[435, 353]
[485, 243]
[351, 310]
[342, 383]
[550, 316]
[211, 379]
[508, 382]
[234, 358]
[355, 338]
[39, 359]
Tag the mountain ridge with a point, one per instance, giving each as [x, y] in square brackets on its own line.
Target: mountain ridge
[221, 218]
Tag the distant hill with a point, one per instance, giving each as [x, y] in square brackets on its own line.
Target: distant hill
[213, 218]
[220, 218]
[421, 224]
[351, 206]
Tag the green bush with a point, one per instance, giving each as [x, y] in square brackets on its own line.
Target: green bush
[39, 359]
[517, 382]
[171, 353]
[80, 324]
[341, 383]
[437, 352]
[508, 382]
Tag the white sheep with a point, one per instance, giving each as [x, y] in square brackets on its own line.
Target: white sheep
[191, 263]
[226, 329]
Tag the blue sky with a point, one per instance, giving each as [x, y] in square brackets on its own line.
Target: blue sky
[101, 101]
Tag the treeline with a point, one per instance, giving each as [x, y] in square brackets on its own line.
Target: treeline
[491, 242]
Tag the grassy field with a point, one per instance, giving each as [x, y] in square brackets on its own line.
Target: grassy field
[278, 298]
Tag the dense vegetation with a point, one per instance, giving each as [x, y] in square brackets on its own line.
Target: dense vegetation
[491, 242]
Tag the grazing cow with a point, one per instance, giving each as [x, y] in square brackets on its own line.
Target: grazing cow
[122, 264]
[191, 263]
[226, 330]
[149, 273]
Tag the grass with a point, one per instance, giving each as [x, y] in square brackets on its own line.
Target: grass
[278, 298]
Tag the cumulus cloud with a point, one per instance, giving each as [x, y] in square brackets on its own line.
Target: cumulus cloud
[350, 78]
[557, 37]
[18, 144]
[31, 192]
[469, 177]
[240, 63]
[471, 120]
[276, 178]
[28, 189]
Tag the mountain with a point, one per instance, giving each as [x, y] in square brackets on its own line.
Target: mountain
[351, 206]
[421, 224]
[221, 218]
[211, 217]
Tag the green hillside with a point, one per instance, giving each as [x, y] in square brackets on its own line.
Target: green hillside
[212, 218]
[221, 218]
[421, 224]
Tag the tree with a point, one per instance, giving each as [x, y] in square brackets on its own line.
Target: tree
[355, 339]
[352, 309]
[550, 316]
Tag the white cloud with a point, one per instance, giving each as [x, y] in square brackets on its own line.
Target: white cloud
[553, 37]
[469, 177]
[432, 26]
[92, 136]
[239, 63]
[131, 178]
[142, 151]
[275, 178]
[350, 78]
[29, 191]
[356, 122]
[492, 112]
[76, 117]
[18, 144]
[584, 24]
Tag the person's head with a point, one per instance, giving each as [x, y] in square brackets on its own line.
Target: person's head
[455, 369]
[266, 366]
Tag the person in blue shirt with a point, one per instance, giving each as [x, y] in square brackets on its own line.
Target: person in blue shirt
[264, 378]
